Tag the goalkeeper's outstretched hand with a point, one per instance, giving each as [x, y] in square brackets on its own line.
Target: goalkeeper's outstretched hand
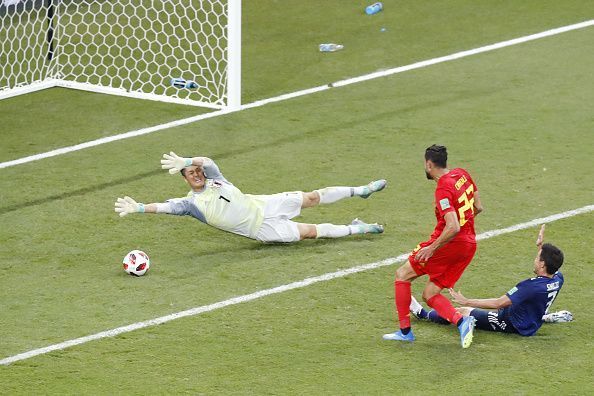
[127, 205]
[174, 163]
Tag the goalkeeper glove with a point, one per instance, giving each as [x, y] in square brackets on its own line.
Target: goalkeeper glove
[127, 205]
[174, 163]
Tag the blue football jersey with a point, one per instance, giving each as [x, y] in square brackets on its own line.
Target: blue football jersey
[531, 299]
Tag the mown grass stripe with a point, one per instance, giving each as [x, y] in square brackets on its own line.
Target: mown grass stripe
[275, 290]
[354, 80]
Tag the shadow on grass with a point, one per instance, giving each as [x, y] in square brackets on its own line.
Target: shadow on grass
[285, 139]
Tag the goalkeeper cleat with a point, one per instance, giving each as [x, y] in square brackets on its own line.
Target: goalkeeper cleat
[416, 309]
[558, 317]
[466, 331]
[398, 336]
[372, 187]
[365, 228]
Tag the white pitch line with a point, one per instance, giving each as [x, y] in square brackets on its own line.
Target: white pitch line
[341, 83]
[108, 139]
[274, 290]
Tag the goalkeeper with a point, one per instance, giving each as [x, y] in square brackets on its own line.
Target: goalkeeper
[267, 218]
[524, 308]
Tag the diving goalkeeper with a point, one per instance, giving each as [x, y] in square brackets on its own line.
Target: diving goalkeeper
[267, 218]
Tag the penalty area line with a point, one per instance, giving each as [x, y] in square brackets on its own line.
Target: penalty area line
[280, 98]
[275, 290]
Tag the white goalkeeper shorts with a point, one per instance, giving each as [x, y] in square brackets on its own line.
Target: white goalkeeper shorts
[278, 212]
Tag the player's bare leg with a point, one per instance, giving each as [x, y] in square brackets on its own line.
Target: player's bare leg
[444, 308]
[464, 311]
[421, 313]
[329, 195]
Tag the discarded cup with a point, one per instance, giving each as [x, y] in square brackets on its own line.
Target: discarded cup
[181, 83]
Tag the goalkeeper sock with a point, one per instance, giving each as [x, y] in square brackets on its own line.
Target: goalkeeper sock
[332, 194]
[338, 231]
[332, 231]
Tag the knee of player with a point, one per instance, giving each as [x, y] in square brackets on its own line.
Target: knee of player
[426, 297]
[311, 199]
[307, 231]
[402, 273]
[428, 294]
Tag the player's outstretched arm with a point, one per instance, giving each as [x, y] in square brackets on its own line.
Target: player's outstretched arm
[540, 238]
[174, 163]
[486, 303]
[127, 205]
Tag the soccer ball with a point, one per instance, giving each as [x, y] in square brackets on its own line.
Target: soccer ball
[137, 263]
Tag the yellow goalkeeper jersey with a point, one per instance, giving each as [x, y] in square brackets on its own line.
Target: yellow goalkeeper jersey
[222, 205]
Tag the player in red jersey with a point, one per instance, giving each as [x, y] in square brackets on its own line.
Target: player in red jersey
[448, 251]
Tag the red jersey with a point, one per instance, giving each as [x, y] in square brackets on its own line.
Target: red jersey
[455, 193]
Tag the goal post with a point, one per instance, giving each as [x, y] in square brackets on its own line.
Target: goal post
[234, 55]
[130, 48]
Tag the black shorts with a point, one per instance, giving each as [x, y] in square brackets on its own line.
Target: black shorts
[493, 321]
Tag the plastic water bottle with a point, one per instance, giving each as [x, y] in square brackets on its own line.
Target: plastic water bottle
[374, 8]
[181, 83]
[330, 47]
[191, 85]
[178, 82]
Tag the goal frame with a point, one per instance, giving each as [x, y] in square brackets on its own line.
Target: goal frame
[233, 68]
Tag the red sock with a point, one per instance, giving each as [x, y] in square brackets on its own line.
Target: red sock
[402, 298]
[444, 308]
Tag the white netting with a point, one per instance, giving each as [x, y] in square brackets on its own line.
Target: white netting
[133, 45]
[23, 43]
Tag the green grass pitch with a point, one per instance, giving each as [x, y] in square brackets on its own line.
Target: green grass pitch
[519, 119]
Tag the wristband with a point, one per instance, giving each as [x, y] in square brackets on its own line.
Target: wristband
[141, 208]
[187, 162]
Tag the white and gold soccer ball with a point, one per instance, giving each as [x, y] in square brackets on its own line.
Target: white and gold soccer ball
[137, 263]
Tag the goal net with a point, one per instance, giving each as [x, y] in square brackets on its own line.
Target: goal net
[125, 47]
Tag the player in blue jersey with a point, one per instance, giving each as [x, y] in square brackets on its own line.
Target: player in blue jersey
[521, 310]
[267, 218]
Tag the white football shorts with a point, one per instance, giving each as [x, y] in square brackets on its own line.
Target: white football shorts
[278, 212]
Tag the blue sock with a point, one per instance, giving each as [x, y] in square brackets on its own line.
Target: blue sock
[435, 318]
[423, 314]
